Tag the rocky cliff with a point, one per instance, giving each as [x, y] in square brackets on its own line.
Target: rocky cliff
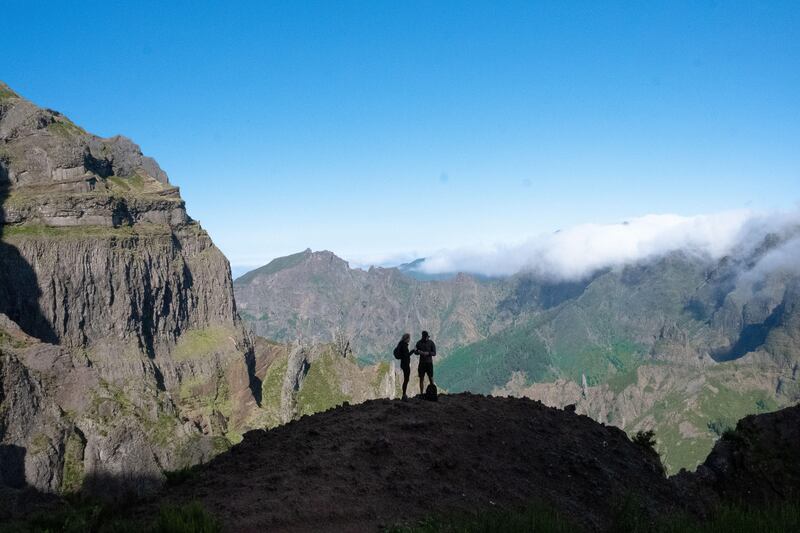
[121, 353]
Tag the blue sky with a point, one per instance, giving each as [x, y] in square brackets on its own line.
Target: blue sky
[388, 129]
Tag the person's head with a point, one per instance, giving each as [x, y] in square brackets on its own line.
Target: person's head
[405, 338]
[424, 335]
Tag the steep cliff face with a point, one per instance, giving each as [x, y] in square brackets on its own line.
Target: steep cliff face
[121, 353]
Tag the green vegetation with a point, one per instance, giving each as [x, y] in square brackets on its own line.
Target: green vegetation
[109, 405]
[595, 334]
[189, 518]
[781, 517]
[209, 396]
[627, 518]
[320, 390]
[383, 369]
[534, 518]
[64, 127]
[600, 350]
[134, 183]
[200, 343]
[272, 390]
[39, 443]
[645, 439]
[72, 474]
[84, 516]
[7, 340]
[273, 266]
[20, 231]
[40, 230]
[6, 93]
[720, 427]
[482, 366]
[686, 428]
[163, 430]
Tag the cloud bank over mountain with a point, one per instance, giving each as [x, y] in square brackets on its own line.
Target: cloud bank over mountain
[581, 250]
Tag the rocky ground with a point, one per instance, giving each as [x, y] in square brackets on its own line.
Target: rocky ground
[356, 468]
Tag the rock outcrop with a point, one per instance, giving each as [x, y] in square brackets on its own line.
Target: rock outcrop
[121, 352]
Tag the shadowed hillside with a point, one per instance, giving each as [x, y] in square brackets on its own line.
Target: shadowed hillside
[356, 467]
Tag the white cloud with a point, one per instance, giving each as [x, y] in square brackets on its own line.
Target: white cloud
[577, 252]
[784, 258]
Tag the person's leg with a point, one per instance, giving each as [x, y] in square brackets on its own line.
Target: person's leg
[406, 375]
[426, 369]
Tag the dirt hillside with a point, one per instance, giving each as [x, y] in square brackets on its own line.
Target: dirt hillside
[357, 468]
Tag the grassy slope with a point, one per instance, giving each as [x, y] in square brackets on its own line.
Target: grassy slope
[714, 410]
[322, 389]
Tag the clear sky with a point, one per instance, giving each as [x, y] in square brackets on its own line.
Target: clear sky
[379, 129]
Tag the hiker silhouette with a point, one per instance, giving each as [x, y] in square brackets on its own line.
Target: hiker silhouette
[401, 352]
[426, 349]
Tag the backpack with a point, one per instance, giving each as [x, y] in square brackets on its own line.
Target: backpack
[397, 352]
[432, 393]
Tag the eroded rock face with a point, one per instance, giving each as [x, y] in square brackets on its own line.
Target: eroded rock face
[121, 353]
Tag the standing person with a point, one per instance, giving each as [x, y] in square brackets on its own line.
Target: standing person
[401, 352]
[426, 350]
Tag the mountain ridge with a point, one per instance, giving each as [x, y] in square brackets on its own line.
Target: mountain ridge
[618, 343]
[345, 301]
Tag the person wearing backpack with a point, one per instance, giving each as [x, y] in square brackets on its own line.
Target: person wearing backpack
[426, 350]
[401, 352]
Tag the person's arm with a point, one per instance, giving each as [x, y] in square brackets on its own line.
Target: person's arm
[433, 350]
